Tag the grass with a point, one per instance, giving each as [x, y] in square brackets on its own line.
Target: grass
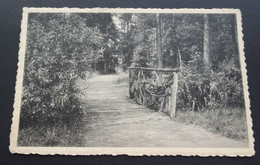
[230, 122]
[58, 135]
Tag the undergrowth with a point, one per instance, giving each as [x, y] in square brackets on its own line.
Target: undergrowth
[58, 134]
[230, 122]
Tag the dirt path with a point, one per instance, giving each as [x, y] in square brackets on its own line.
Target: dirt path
[113, 121]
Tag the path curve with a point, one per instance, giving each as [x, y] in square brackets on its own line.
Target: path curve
[111, 120]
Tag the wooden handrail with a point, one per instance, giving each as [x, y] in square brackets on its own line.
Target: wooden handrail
[169, 103]
[156, 69]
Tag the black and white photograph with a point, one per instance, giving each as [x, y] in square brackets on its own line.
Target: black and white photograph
[132, 81]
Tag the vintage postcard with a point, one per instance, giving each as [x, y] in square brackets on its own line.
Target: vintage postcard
[132, 81]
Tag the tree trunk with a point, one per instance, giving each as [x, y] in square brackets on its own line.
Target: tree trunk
[106, 39]
[206, 49]
[176, 51]
[127, 25]
[159, 47]
[159, 41]
[235, 35]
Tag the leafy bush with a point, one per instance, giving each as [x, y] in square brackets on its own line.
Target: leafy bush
[229, 82]
[60, 49]
[222, 88]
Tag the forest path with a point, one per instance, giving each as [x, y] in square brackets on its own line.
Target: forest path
[111, 120]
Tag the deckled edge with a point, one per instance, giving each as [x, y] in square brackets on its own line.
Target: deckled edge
[19, 82]
[231, 152]
[243, 65]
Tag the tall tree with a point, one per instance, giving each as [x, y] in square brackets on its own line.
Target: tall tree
[159, 41]
[104, 22]
[144, 37]
[159, 46]
[126, 39]
[106, 40]
[206, 47]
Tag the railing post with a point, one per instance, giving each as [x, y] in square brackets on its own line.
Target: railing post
[131, 96]
[174, 94]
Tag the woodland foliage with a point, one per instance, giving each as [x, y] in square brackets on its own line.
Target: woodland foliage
[183, 46]
[60, 49]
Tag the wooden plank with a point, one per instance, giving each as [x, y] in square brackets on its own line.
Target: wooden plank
[169, 104]
[156, 69]
[174, 95]
[131, 95]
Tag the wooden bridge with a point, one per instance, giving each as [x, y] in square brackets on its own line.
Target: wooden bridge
[154, 88]
[113, 120]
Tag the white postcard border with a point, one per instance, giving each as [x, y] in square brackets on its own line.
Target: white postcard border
[127, 150]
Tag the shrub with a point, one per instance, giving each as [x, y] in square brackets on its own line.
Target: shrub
[223, 88]
[60, 49]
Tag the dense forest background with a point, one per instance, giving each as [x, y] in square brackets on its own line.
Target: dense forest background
[61, 48]
[204, 46]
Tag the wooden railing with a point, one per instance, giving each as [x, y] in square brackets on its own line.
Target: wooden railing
[154, 88]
